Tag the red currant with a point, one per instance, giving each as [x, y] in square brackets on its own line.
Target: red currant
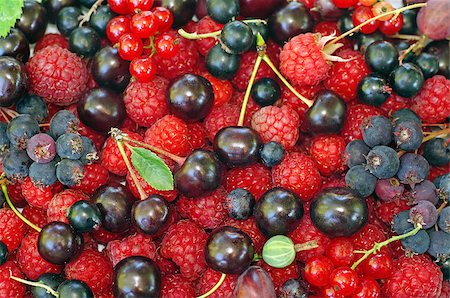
[345, 3]
[318, 270]
[117, 27]
[367, 288]
[144, 24]
[367, 2]
[344, 280]
[382, 7]
[378, 266]
[130, 47]
[392, 26]
[164, 17]
[143, 69]
[340, 252]
[119, 6]
[329, 292]
[362, 14]
[166, 46]
[139, 5]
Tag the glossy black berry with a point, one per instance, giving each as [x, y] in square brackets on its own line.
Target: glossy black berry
[377, 130]
[239, 203]
[402, 115]
[271, 153]
[408, 135]
[355, 153]
[406, 80]
[409, 22]
[190, 97]
[414, 168]
[261, 28]
[339, 212]
[15, 45]
[363, 41]
[229, 250]
[69, 172]
[3, 253]
[109, 70]
[58, 243]
[382, 57]
[266, 92]
[63, 122]
[13, 81]
[100, 19]
[16, 164]
[54, 6]
[237, 145]
[402, 46]
[43, 174]
[345, 24]
[221, 64]
[74, 289]
[33, 21]
[136, 276]
[383, 162]
[278, 211]
[182, 10]
[373, 90]
[69, 145]
[51, 280]
[151, 214]
[84, 41]
[84, 217]
[20, 129]
[429, 64]
[33, 105]
[359, 179]
[222, 11]
[68, 20]
[236, 37]
[440, 49]
[437, 152]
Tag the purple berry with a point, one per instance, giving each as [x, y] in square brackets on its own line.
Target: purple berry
[41, 148]
[387, 189]
[425, 191]
[439, 246]
[20, 129]
[414, 168]
[424, 213]
[444, 219]
[69, 172]
[355, 153]
[377, 130]
[408, 135]
[382, 161]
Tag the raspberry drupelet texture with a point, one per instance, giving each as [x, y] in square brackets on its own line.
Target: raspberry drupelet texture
[8, 286]
[57, 75]
[355, 118]
[255, 178]
[210, 278]
[51, 39]
[240, 80]
[249, 227]
[220, 117]
[206, 25]
[327, 151]
[95, 175]
[12, 229]
[175, 285]
[169, 133]
[134, 245]
[39, 196]
[62, 201]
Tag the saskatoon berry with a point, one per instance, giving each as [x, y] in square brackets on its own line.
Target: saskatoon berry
[437, 152]
[16, 164]
[271, 153]
[388, 189]
[3, 253]
[69, 145]
[222, 11]
[4, 140]
[84, 217]
[408, 135]
[383, 162]
[413, 169]
[424, 213]
[99, 20]
[444, 219]
[63, 122]
[373, 90]
[236, 37]
[355, 153]
[41, 148]
[439, 247]
[89, 153]
[43, 174]
[418, 243]
[51, 280]
[15, 45]
[33, 105]
[425, 191]
[377, 130]
[221, 64]
[84, 41]
[20, 129]
[151, 214]
[74, 289]
[239, 203]
[69, 172]
[445, 268]
[382, 57]
[359, 179]
[13, 81]
[406, 80]
[68, 20]
[402, 115]
[401, 223]
[33, 21]
[266, 92]
[428, 63]
[444, 185]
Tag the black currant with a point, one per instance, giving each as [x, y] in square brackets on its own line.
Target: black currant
[266, 92]
[222, 11]
[84, 217]
[15, 45]
[100, 19]
[68, 20]
[406, 80]
[382, 57]
[428, 63]
[373, 90]
[236, 37]
[221, 64]
[84, 41]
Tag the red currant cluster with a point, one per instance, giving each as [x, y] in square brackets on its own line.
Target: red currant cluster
[140, 27]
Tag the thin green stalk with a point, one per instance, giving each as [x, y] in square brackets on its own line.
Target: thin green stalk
[218, 284]
[34, 284]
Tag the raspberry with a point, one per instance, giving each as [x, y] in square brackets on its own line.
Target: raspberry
[207, 211]
[8, 286]
[61, 202]
[103, 236]
[394, 103]
[356, 114]
[242, 76]
[365, 238]
[255, 178]
[327, 152]
[39, 196]
[432, 104]
[223, 90]
[134, 245]
[57, 75]
[445, 291]
[51, 39]
[93, 268]
[110, 156]
[249, 227]
[220, 117]
[35, 215]
[169, 133]
[169, 195]
[183, 62]
[344, 77]
[207, 25]
[175, 286]
[387, 210]
[167, 266]
[15, 194]
[184, 243]
[12, 229]
[437, 171]
[146, 102]
[299, 173]
[30, 261]
[302, 61]
[417, 276]
[280, 275]
[250, 110]
[277, 124]
[95, 175]
[210, 278]
[196, 135]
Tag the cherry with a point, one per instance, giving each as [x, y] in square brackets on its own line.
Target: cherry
[109, 70]
[362, 14]
[367, 288]
[15, 45]
[13, 81]
[143, 69]
[149, 215]
[144, 24]
[164, 18]
[166, 46]
[117, 27]
[344, 280]
[259, 9]
[33, 21]
[119, 6]
[130, 46]
[182, 10]
[254, 282]
[378, 266]
[392, 26]
[139, 5]
[317, 271]
[340, 252]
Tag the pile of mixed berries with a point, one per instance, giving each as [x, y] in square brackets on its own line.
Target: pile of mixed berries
[226, 148]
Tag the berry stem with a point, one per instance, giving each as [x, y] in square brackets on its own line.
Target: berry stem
[10, 204]
[377, 246]
[249, 88]
[435, 134]
[195, 35]
[394, 12]
[86, 17]
[218, 284]
[34, 284]
[405, 36]
[306, 245]
[415, 48]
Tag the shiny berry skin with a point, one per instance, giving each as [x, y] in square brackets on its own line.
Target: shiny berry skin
[130, 47]
[84, 217]
[340, 252]
[406, 80]
[119, 6]
[164, 18]
[33, 21]
[317, 271]
[367, 288]
[382, 57]
[74, 288]
[222, 11]
[109, 70]
[392, 26]
[221, 64]
[166, 46]
[143, 69]
[144, 24]
[344, 280]
[84, 41]
[381, 8]
[378, 266]
[362, 14]
[236, 37]
[139, 5]
[151, 214]
[266, 91]
[117, 27]
[13, 81]
[3, 253]
[15, 45]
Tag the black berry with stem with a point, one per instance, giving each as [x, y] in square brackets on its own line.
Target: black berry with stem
[377, 130]
[182, 10]
[190, 97]
[33, 21]
[73, 288]
[84, 216]
[440, 49]
[229, 250]
[383, 162]
[428, 63]
[406, 80]
[261, 28]
[84, 41]
[363, 41]
[373, 90]
[68, 20]
[359, 179]
[239, 203]
[63, 122]
[382, 57]
[402, 115]
[418, 243]
[413, 169]
[339, 212]
[236, 37]
[70, 146]
[33, 105]
[16, 164]
[278, 211]
[43, 174]
[345, 24]
[355, 153]
[100, 19]
[54, 6]
[222, 11]
[109, 70]
[271, 153]
[408, 135]
[41, 148]
[13, 81]
[3, 253]
[51, 280]
[151, 214]
[20, 129]
[409, 22]
[402, 46]
[136, 276]
[69, 172]
[15, 45]
[221, 64]
[266, 92]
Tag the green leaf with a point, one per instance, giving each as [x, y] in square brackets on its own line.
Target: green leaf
[152, 169]
[279, 251]
[10, 11]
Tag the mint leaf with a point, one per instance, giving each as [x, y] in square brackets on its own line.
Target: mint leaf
[152, 169]
[10, 11]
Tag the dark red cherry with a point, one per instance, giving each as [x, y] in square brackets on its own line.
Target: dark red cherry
[259, 9]
[13, 81]
[151, 214]
[33, 21]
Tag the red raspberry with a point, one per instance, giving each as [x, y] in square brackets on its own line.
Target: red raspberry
[30, 261]
[249, 227]
[39, 196]
[51, 39]
[445, 291]
[437, 171]
[242, 76]
[387, 210]
[83, 130]
[299, 173]
[250, 110]
[134, 245]
[167, 266]
[57, 75]
[146, 102]
[302, 61]
[169, 133]
[327, 152]
[365, 238]
[277, 124]
[12, 229]
[61, 202]
[210, 278]
[308, 3]
[184, 243]
[356, 114]
[289, 99]
[111, 158]
[432, 104]
[176, 286]
[8, 286]
[169, 195]
[330, 28]
[255, 178]
[207, 211]
[416, 276]
[394, 103]
[35, 215]
[280, 275]
[223, 90]
[197, 137]
[15, 194]
[93, 268]
[184, 61]
[220, 117]
[95, 175]
[207, 25]
[103, 236]
[344, 77]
